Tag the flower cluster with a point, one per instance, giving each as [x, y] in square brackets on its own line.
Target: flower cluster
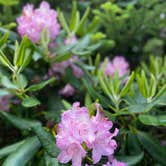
[59, 68]
[67, 91]
[78, 132]
[118, 64]
[33, 21]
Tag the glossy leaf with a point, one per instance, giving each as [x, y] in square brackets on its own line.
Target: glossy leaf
[20, 123]
[10, 149]
[4, 39]
[131, 160]
[41, 85]
[152, 146]
[46, 140]
[157, 120]
[4, 60]
[7, 83]
[50, 161]
[30, 102]
[21, 81]
[23, 153]
[127, 84]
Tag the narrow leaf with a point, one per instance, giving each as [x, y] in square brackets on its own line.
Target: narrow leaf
[157, 120]
[24, 153]
[30, 102]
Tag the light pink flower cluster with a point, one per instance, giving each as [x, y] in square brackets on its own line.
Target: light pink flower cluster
[33, 21]
[78, 130]
[118, 64]
[5, 102]
[59, 68]
[67, 91]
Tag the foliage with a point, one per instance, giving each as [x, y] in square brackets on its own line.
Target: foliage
[134, 102]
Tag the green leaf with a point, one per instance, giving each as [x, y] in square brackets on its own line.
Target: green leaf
[24, 153]
[63, 21]
[66, 104]
[157, 120]
[30, 102]
[21, 81]
[82, 44]
[152, 146]
[23, 53]
[161, 100]
[133, 145]
[46, 140]
[41, 85]
[83, 20]
[9, 2]
[7, 83]
[4, 61]
[4, 39]
[73, 15]
[161, 92]
[10, 149]
[127, 85]
[131, 160]
[50, 161]
[76, 23]
[20, 123]
[27, 58]
[4, 92]
[63, 53]
[140, 107]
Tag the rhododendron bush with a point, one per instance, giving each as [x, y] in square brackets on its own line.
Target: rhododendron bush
[82, 83]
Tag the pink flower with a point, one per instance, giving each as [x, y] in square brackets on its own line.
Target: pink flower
[118, 64]
[77, 71]
[59, 68]
[107, 164]
[67, 91]
[77, 128]
[5, 102]
[73, 152]
[118, 163]
[103, 145]
[33, 21]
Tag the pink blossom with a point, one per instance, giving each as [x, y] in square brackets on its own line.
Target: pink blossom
[107, 164]
[67, 91]
[59, 68]
[33, 21]
[77, 128]
[118, 64]
[73, 152]
[77, 71]
[103, 145]
[118, 163]
[5, 102]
